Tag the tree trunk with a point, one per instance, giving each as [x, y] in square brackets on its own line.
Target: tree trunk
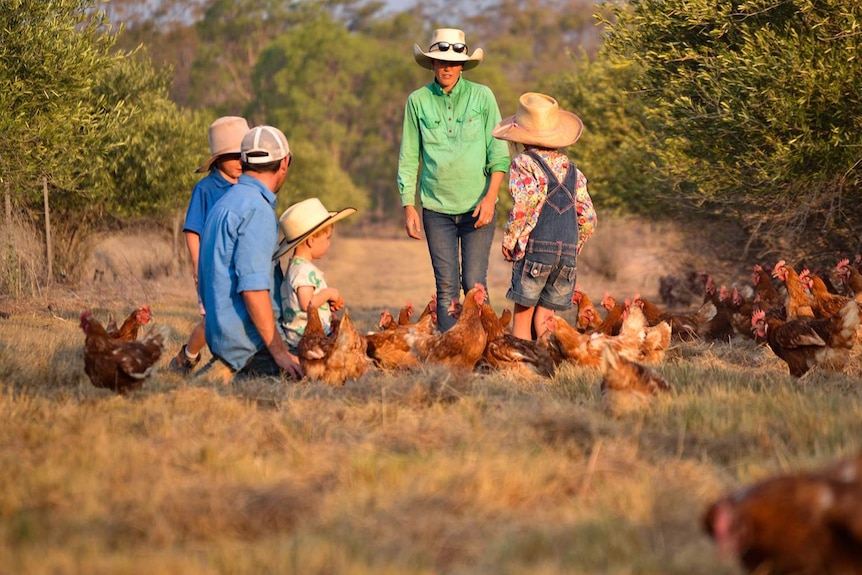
[49, 248]
[7, 197]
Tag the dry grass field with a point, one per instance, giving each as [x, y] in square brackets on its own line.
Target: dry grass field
[399, 473]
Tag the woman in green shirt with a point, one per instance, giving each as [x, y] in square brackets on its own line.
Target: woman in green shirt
[449, 152]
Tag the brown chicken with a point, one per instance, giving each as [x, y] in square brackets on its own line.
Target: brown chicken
[461, 346]
[684, 327]
[740, 317]
[656, 338]
[121, 366]
[129, 329]
[806, 343]
[585, 349]
[334, 358]
[801, 524]
[825, 303]
[610, 325]
[314, 346]
[589, 318]
[505, 352]
[766, 296]
[388, 348]
[387, 321]
[627, 386]
[799, 301]
[405, 314]
[348, 360]
[850, 278]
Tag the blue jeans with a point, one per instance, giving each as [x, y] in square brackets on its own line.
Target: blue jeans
[459, 255]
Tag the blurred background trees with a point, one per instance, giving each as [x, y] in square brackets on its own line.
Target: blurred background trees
[742, 113]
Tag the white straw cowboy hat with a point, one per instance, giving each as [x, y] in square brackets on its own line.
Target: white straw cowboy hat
[539, 121]
[303, 219]
[225, 135]
[450, 45]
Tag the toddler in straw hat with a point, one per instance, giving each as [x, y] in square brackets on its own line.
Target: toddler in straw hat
[552, 214]
[306, 228]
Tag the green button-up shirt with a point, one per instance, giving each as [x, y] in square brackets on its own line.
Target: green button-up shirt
[450, 135]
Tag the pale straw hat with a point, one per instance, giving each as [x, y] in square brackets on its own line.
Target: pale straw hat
[225, 136]
[450, 45]
[539, 121]
[303, 219]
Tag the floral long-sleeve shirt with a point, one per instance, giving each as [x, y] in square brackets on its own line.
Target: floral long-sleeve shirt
[528, 186]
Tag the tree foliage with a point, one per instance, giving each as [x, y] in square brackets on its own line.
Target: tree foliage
[52, 56]
[759, 106]
[94, 124]
[616, 150]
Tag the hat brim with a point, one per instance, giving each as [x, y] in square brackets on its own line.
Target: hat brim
[205, 167]
[285, 245]
[426, 59]
[567, 132]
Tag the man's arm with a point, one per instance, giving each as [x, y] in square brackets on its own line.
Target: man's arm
[259, 308]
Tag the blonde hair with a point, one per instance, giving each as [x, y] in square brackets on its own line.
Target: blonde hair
[328, 229]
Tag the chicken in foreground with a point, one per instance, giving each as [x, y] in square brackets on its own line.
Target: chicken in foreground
[505, 352]
[627, 386]
[684, 327]
[801, 524]
[130, 328]
[806, 343]
[121, 366]
[388, 347]
[635, 341]
[335, 358]
[461, 346]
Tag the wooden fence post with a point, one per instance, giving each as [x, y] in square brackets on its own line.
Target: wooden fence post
[48, 245]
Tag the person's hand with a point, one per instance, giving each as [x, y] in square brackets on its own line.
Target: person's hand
[411, 222]
[337, 303]
[289, 363]
[484, 212]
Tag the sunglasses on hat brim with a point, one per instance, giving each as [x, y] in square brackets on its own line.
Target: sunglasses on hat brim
[445, 46]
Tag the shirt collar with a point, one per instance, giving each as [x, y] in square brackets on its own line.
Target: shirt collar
[456, 89]
[220, 180]
[257, 184]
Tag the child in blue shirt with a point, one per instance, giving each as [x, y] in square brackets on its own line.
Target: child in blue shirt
[224, 168]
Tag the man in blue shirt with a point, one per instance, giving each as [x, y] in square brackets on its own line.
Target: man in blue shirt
[239, 239]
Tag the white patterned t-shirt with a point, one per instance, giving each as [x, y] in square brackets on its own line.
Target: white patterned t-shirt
[301, 273]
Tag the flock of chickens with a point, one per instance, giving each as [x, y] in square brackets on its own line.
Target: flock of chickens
[805, 319]
[802, 317]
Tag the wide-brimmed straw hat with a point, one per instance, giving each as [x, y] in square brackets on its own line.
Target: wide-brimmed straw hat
[450, 45]
[225, 136]
[539, 121]
[303, 219]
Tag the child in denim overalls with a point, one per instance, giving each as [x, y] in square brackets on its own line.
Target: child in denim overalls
[552, 214]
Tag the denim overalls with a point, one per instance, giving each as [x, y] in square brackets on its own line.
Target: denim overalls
[546, 274]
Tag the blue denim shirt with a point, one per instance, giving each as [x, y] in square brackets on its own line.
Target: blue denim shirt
[207, 192]
[238, 241]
